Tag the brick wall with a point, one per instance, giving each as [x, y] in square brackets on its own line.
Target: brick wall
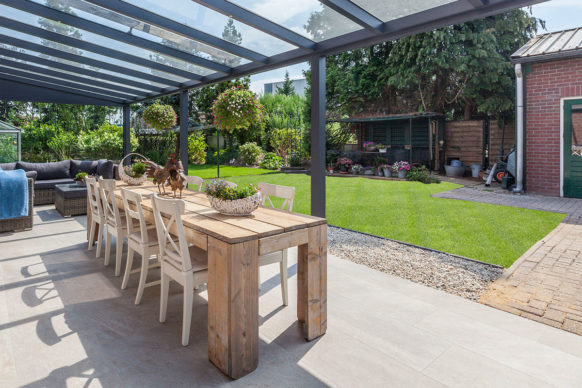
[547, 83]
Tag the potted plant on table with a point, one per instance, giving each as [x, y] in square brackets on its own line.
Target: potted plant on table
[233, 201]
[80, 178]
[401, 168]
[369, 146]
[381, 148]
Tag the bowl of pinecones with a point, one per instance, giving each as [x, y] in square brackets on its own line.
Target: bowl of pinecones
[133, 174]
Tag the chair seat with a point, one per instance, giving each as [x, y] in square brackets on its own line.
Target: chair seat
[198, 258]
[152, 238]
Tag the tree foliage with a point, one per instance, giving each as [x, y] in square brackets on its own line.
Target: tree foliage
[287, 87]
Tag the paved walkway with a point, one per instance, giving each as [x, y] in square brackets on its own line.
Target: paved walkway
[64, 322]
[545, 283]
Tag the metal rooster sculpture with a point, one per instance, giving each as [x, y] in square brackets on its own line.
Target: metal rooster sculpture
[171, 175]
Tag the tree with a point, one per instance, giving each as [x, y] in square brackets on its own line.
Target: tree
[287, 87]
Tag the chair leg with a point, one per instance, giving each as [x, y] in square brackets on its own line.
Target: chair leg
[128, 265]
[187, 313]
[164, 291]
[283, 268]
[108, 241]
[92, 235]
[99, 240]
[143, 277]
[118, 252]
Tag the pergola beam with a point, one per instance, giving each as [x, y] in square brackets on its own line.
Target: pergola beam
[121, 36]
[179, 28]
[356, 14]
[79, 70]
[102, 50]
[118, 91]
[318, 105]
[260, 23]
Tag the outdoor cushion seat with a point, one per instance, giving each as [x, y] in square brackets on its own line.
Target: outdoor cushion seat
[51, 183]
[8, 166]
[48, 171]
[87, 166]
[105, 169]
[31, 174]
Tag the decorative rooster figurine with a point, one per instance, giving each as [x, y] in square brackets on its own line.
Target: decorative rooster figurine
[177, 178]
[158, 174]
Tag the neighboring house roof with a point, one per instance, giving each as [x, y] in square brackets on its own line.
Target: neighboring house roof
[387, 117]
[554, 45]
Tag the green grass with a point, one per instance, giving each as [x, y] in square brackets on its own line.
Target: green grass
[406, 211]
[207, 171]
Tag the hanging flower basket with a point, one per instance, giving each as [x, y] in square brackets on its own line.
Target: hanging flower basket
[160, 116]
[236, 109]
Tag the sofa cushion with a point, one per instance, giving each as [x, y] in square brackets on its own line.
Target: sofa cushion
[53, 170]
[7, 166]
[88, 166]
[51, 183]
[31, 174]
[105, 168]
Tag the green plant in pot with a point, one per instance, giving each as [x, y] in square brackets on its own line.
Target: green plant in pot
[233, 200]
[80, 178]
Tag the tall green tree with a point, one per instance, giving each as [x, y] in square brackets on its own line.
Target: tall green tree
[287, 87]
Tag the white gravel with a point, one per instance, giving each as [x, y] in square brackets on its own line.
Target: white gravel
[444, 272]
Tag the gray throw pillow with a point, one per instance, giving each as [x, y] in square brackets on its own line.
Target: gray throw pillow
[105, 168]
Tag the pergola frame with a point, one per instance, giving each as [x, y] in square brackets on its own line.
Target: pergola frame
[43, 79]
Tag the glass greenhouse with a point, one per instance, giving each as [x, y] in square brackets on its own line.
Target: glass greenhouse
[9, 143]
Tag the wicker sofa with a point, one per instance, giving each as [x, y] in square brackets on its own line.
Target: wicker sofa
[48, 175]
[20, 223]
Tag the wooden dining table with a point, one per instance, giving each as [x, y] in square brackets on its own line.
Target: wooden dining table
[233, 245]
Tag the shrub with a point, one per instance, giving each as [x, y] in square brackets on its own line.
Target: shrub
[63, 145]
[35, 138]
[197, 148]
[104, 143]
[8, 149]
[283, 140]
[226, 156]
[271, 161]
[421, 174]
[250, 153]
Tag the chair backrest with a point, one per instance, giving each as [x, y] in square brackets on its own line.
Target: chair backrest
[131, 201]
[196, 181]
[269, 190]
[95, 204]
[168, 214]
[110, 209]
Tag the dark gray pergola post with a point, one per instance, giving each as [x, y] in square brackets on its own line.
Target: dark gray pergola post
[184, 129]
[126, 132]
[318, 136]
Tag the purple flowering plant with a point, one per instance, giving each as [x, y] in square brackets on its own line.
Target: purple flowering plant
[401, 166]
[236, 109]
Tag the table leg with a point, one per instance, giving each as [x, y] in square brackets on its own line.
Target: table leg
[233, 306]
[312, 283]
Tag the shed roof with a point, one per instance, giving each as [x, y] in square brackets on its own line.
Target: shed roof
[554, 45]
[389, 117]
[117, 52]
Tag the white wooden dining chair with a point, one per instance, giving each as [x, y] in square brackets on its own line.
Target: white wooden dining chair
[142, 239]
[286, 193]
[187, 265]
[97, 215]
[194, 181]
[115, 225]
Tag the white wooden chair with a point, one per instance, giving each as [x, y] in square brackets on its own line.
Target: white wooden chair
[97, 215]
[115, 222]
[287, 193]
[142, 239]
[195, 181]
[188, 265]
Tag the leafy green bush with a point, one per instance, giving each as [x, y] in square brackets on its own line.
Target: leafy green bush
[104, 143]
[63, 145]
[250, 153]
[197, 148]
[226, 155]
[35, 139]
[271, 161]
[421, 174]
[284, 140]
[8, 148]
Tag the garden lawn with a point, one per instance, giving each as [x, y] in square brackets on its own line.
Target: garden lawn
[206, 171]
[405, 211]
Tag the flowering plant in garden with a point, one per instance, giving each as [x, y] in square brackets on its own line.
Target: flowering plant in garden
[235, 109]
[357, 168]
[218, 188]
[160, 116]
[401, 166]
[345, 162]
[385, 166]
[367, 144]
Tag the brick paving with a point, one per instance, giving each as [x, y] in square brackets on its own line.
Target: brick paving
[545, 283]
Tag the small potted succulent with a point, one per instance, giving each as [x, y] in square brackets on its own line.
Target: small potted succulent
[381, 148]
[369, 146]
[357, 169]
[401, 168]
[233, 201]
[80, 178]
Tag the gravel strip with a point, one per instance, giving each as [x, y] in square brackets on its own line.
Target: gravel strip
[437, 270]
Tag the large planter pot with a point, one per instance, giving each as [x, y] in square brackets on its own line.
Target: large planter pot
[402, 174]
[239, 207]
[387, 172]
[455, 171]
[368, 172]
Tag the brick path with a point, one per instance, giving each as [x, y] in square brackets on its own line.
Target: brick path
[545, 283]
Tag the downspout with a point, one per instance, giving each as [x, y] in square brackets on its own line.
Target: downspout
[519, 128]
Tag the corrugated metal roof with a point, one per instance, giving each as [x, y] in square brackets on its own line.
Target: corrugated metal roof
[551, 46]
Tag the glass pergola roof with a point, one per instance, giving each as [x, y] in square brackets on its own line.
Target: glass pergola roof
[116, 52]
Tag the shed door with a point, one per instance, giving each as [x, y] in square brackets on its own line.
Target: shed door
[573, 148]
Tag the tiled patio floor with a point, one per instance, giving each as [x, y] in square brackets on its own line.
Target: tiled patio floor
[545, 284]
[65, 322]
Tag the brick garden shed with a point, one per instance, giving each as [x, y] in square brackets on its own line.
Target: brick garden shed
[549, 114]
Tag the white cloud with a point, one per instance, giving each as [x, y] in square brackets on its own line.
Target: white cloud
[281, 11]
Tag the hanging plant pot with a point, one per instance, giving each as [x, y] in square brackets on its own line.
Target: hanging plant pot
[160, 116]
[236, 109]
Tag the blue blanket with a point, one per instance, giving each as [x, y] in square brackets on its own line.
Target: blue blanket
[13, 194]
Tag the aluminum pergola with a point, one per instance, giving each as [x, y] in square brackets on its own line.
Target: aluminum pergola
[119, 52]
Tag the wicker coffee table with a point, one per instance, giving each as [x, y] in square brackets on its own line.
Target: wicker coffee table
[71, 199]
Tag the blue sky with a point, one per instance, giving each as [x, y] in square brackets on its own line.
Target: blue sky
[558, 15]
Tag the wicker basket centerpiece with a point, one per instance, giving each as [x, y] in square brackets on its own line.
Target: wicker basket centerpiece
[231, 200]
[133, 174]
